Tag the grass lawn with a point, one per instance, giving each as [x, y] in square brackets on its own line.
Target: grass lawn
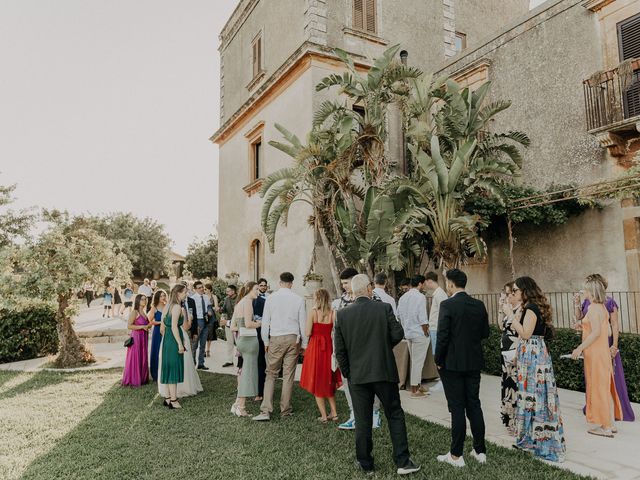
[84, 425]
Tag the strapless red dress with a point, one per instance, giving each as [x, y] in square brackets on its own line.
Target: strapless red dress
[317, 376]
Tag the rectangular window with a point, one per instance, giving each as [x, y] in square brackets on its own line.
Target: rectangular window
[460, 41]
[364, 15]
[256, 149]
[256, 49]
[629, 47]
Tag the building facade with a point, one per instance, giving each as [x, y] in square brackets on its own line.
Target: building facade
[272, 54]
[562, 66]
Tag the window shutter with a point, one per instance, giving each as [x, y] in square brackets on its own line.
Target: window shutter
[358, 14]
[629, 47]
[259, 55]
[629, 38]
[255, 59]
[371, 16]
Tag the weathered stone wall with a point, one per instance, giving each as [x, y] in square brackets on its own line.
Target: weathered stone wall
[479, 19]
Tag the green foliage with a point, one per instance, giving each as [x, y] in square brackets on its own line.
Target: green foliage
[492, 209]
[58, 263]
[27, 332]
[219, 288]
[569, 373]
[202, 257]
[13, 224]
[142, 240]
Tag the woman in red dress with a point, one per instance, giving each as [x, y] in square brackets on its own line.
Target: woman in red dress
[318, 377]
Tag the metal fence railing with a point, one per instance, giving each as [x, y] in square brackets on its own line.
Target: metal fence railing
[563, 308]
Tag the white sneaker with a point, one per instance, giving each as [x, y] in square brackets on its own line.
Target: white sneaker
[263, 417]
[447, 459]
[480, 457]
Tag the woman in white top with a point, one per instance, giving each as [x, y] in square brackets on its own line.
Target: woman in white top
[247, 342]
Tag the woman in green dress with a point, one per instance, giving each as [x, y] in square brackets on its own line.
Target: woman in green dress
[173, 345]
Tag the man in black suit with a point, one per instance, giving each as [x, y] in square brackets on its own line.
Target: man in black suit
[462, 325]
[365, 333]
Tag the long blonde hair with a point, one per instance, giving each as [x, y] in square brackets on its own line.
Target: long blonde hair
[173, 298]
[596, 290]
[322, 302]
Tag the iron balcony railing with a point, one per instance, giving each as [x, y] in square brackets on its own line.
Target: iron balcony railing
[564, 313]
[612, 96]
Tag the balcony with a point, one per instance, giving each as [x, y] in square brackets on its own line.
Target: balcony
[612, 105]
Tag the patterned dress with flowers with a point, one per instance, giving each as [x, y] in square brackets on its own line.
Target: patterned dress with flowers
[539, 427]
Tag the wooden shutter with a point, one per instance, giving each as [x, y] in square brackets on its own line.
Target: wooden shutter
[257, 56]
[358, 14]
[370, 16]
[629, 47]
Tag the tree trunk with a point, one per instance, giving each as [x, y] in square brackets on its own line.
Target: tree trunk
[71, 352]
[332, 262]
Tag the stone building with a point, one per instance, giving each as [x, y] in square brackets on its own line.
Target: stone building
[272, 54]
[561, 65]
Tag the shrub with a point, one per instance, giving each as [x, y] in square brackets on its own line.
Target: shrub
[27, 332]
[569, 373]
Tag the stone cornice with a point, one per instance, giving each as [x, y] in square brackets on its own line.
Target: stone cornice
[306, 51]
[471, 68]
[237, 18]
[595, 5]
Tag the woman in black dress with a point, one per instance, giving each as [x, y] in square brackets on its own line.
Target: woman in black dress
[509, 309]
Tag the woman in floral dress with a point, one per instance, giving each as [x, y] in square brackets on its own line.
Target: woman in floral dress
[539, 427]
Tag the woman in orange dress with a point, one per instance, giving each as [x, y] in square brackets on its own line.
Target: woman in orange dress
[598, 367]
[318, 377]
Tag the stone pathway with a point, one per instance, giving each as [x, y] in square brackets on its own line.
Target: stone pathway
[600, 457]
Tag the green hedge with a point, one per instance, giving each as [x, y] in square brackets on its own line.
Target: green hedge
[569, 373]
[27, 333]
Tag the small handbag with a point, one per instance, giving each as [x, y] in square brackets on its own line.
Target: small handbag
[128, 342]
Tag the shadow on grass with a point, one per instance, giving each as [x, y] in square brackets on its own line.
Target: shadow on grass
[6, 375]
[37, 381]
[131, 435]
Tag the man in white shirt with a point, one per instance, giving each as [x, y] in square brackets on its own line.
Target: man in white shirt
[283, 332]
[412, 312]
[145, 289]
[438, 295]
[201, 304]
[380, 282]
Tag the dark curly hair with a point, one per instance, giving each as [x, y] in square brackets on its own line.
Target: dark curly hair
[531, 293]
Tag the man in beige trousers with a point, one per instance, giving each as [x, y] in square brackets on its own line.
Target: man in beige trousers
[283, 326]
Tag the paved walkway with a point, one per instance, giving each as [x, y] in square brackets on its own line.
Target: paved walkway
[586, 454]
[90, 319]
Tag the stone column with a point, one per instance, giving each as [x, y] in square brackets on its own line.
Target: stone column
[449, 24]
[315, 21]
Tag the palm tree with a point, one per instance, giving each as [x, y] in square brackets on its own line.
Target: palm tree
[343, 157]
[456, 157]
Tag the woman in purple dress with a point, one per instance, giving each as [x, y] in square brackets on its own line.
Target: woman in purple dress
[618, 371]
[136, 366]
